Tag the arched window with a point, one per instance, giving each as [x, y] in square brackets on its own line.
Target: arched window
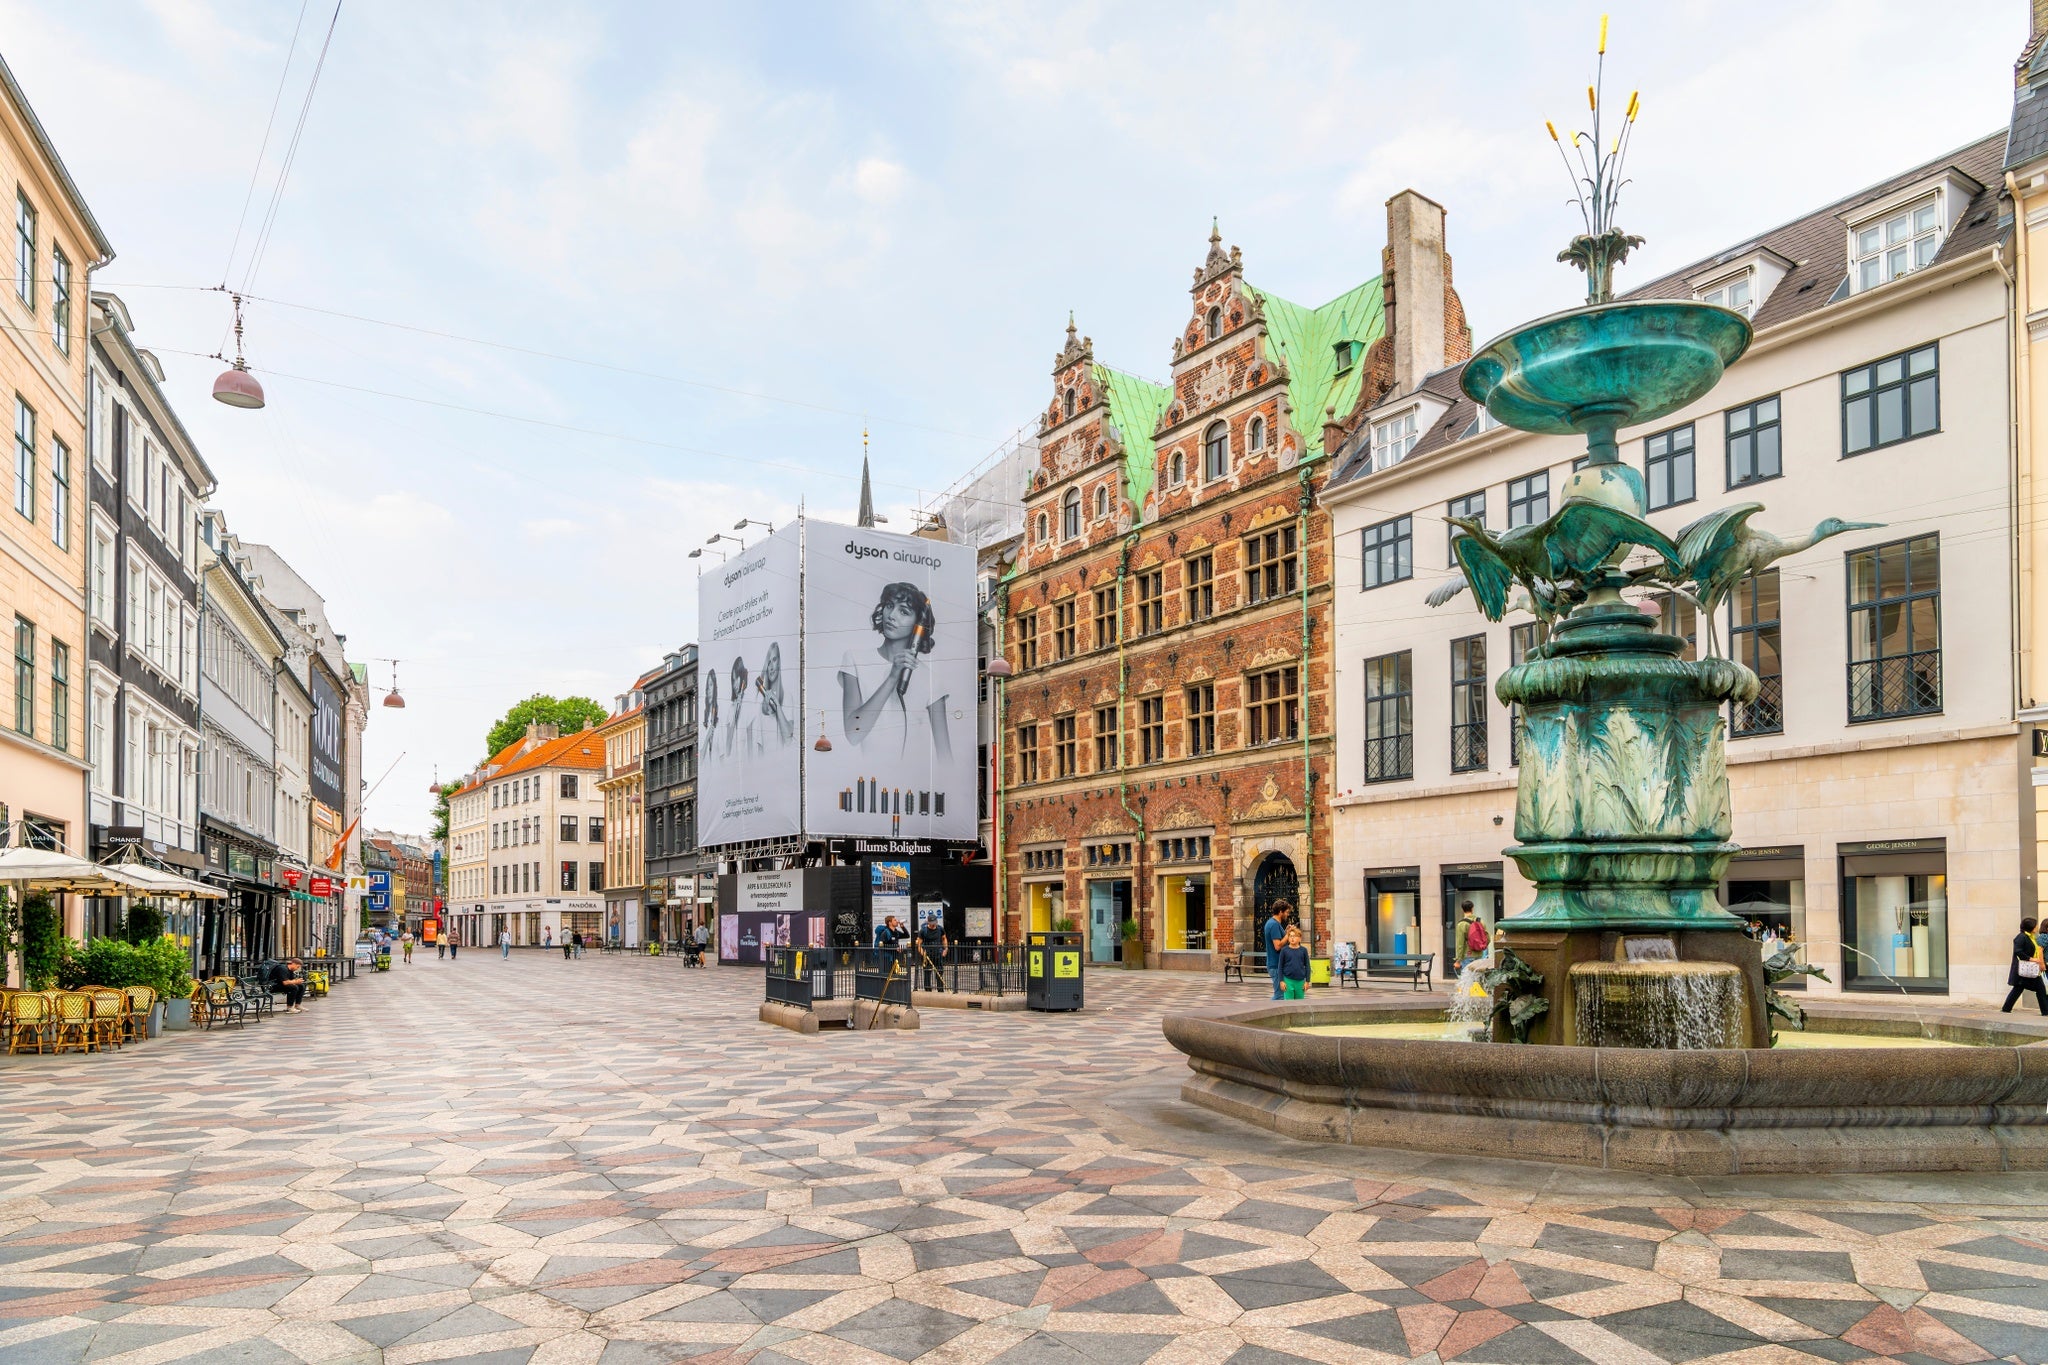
[1041, 526]
[1176, 471]
[1069, 403]
[1255, 434]
[1101, 502]
[1216, 452]
[1070, 515]
[1215, 323]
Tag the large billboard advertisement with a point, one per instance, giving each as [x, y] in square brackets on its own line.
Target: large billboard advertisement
[749, 765]
[889, 679]
[326, 771]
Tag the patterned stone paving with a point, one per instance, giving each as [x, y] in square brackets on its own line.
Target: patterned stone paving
[610, 1160]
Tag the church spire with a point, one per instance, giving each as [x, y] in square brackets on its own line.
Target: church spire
[867, 492]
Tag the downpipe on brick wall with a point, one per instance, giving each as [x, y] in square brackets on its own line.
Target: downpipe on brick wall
[1123, 680]
[1308, 776]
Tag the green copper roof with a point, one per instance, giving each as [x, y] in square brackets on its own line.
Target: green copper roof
[1307, 340]
[1135, 406]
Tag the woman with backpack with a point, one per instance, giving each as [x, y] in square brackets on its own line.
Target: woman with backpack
[2026, 971]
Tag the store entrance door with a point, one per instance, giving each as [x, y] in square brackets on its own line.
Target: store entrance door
[1109, 905]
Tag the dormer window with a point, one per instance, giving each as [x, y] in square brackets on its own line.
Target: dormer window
[1214, 325]
[1738, 293]
[1068, 403]
[1901, 242]
[1346, 353]
[1393, 439]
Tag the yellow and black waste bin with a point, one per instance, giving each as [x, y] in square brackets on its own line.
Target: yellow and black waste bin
[1052, 971]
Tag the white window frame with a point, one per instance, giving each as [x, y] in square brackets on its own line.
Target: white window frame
[1895, 243]
[1737, 291]
[1394, 437]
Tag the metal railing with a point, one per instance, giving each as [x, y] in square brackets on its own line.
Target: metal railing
[881, 974]
[969, 968]
[1390, 758]
[804, 976]
[1901, 685]
[1765, 715]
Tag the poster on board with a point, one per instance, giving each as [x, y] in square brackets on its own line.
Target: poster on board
[888, 894]
[889, 685]
[749, 761]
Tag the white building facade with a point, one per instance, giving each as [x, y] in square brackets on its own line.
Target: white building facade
[1881, 783]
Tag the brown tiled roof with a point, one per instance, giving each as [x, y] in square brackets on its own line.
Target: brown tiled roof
[1817, 244]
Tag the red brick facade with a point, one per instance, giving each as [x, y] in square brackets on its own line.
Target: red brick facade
[1169, 718]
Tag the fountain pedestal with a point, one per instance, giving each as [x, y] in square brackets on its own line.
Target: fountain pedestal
[1622, 810]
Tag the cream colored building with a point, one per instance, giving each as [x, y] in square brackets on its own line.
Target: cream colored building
[625, 820]
[56, 245]
[1881, 784]
[469, 863]
[543, 841]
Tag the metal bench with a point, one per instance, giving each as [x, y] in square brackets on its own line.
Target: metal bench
[1234, 964]
[1415, 966]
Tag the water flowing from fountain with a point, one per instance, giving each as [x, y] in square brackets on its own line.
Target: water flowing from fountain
[1660, 1003]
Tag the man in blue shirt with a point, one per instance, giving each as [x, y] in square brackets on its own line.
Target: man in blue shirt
[1275, 934]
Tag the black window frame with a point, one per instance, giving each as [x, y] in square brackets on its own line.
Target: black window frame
[1529, 497]
[1108, 739]
[1383, 546]
[596, 830]
[1390, 755]
[1106, 615]
[1272, 564]
[1757, 425]
[1027, 753]
[1152, 729]
[1065, 639]
[1926, 675]
[1671, 457]
[1765, 715]
[1521, 639]
[1198, 572]
[1468, 704]
[25, 676]
[1905, 385]
[566, 829]
[1216, 452]
[1066, 745]
[1198, 709]
[1151, 601]
[1273, 705]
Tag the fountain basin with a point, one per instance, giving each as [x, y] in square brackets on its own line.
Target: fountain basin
[1707, 1112]
[1668, 1004]
[1603, 367]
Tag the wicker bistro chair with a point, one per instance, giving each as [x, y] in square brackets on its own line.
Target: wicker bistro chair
[29, 1020]
[140, 1000]
[109, 1016]
[74, 1021]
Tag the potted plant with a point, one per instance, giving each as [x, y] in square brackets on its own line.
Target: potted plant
[1134, 946]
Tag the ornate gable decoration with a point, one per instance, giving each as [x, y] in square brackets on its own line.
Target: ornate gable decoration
[1271, 804]
[1217, 264]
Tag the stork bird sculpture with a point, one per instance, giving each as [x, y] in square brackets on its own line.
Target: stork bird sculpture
[1722, 548]
[1550, 601]
[1568, 547]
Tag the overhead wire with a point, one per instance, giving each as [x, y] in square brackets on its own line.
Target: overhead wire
[261, 247]
[256, 171]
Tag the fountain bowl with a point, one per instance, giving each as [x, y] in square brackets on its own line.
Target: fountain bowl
[1605, 366]
[1723, 1111]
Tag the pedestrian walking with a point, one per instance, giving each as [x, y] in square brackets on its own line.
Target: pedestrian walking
[505, 943]
[576, 942]
[2027, 967]
[1472, 936]
[1275, 935]
[1293, 966]
[454, 947]
[440, 945]
[547, 937]
[405, 946]
[931, 953]
[701, 935]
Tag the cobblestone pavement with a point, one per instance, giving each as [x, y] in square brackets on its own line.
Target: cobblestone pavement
[611, 1160]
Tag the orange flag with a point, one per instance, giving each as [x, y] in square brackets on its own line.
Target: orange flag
[334, 859]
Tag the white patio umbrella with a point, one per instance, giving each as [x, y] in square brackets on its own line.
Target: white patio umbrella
[156, 881]
[29, 870]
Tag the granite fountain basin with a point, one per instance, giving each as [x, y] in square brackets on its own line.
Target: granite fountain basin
[1982, 1105]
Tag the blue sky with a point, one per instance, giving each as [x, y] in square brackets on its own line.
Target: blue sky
[856, 208]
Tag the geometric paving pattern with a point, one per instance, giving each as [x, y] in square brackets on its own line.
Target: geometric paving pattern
[610, 1160]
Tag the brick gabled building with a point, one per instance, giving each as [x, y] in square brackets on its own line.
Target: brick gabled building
[1167, 728]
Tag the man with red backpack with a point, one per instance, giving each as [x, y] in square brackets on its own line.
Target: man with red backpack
[1472, 936]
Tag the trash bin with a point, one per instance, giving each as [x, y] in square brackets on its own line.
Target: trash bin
[1052, 971]
[1319, 971]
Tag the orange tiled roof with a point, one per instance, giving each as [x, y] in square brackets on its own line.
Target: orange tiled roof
[580, 750]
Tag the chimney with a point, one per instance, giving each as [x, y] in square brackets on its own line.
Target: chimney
[1414, 287]
[540, 732]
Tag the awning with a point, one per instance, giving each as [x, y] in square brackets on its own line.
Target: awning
[44, 869]
[157, 881]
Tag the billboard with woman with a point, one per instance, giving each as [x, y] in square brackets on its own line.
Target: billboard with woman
[748, 761]
[889, 672]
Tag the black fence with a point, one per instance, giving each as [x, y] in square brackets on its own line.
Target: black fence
[804, 976]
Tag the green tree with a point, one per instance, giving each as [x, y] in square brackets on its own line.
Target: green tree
[441, 795]
[570, 714]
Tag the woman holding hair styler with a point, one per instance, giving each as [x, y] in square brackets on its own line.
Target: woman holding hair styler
[904, 620]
